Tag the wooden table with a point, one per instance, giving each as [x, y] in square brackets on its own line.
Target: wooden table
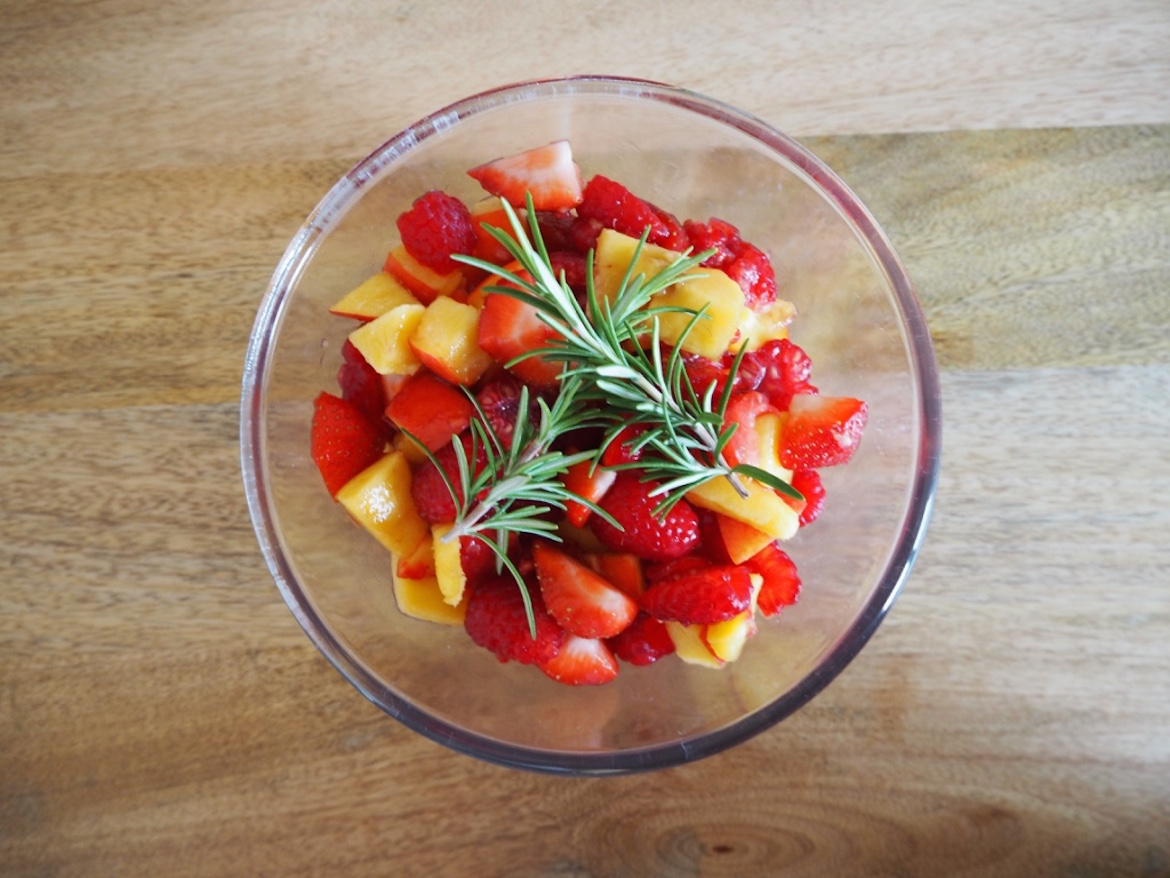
[161, 713]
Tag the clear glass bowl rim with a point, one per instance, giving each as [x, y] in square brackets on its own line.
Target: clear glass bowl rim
[253, 424]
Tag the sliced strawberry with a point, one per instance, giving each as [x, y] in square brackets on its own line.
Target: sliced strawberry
[342, 440]
[742, 410]
[431, 410]
[642, 532]
[582, 661]
[587, 481]
[781, 584]
[644, 642]
[821, 431]
[702, 597]
[497, 621]
[436, 227]
[808, 483]
[361, 384]
[581, 601]
[509, 328]
[621, 448]
[547, 172]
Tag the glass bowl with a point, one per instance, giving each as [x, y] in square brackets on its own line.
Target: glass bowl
[858, 318]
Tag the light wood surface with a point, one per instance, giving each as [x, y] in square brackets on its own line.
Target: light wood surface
[161, 713]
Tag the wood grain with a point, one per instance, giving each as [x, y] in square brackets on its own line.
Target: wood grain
[162, 714]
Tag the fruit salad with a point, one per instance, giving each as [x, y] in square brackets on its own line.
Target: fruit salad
[577, 423]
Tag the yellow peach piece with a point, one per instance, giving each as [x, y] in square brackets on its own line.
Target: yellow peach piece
[446, 341]
[373, 298]
[378, 498]
[688, 643]
[762, 508]
[448, 565]
[385, 341]
[422, 599]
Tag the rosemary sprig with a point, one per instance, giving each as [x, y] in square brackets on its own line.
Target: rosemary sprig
[601, 345]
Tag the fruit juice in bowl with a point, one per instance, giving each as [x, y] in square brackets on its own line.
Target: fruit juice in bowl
[598, 601]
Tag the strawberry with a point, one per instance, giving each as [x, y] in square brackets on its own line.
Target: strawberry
[429, 491]
[582, 602]
[786, 371]
[702, 597]
[644, 642]
[781, 582]
[621, 449]
[436, 227]
[342, 440]
[742, 410]
[547, 172]
[642, 532]
[582, 661]
[808, 482]
[821, 431]
[430, 409]
[361, 384]
[616, 207]
[589, 482]
[509, 328]
[497, 621]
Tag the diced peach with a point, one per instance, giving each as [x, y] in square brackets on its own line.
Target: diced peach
[762, 508]
[690, 646]
[385, 341]
[378, 498]
[742, 541]
[449, 571]
[726, 639]
[768, 324]
[446, 341]
[424, 283]
[419, 564]
[422, 599]
[373, 298]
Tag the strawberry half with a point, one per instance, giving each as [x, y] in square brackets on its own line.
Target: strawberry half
[430, 409]
[497, 621]
[342, 440]
[582, 661]
[588, 482]
[781, 584]
[361, 384]
[582, 602]
[742, 410]
[642, 532]
[701, 598]
[509, 328]
[821, 431]
[547, 172]
[644, 642]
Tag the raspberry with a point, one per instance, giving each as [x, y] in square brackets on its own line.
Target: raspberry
[808, 482]
[675, 238]
[716, 234]
[497, 621]
[787, 369]
[583, 234]
[431, 497]
[500, 402]
[752, 270]
[615, 207]
[555, 228]
[642, 532]
[644, 642]
[573, 265]
[437, 226]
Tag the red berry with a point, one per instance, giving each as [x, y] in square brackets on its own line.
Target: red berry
[644, 642]
[582, 661]
[477, 558]
[786, 371]
[431, 496]
[702, 597]
[808, 482]
[715, 234]
[361, 384]
[573, 266]
[496, 620]
[821, 431]
[781, 584]
[643, 533]
[616, 207]
[622, 448]
[437, 226]
[342, 440]
[752, 270]
[500, 402]
[583, 234]
[547, 173]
